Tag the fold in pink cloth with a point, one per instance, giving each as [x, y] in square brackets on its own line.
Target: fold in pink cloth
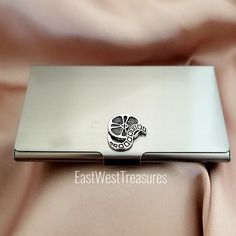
[42, 199]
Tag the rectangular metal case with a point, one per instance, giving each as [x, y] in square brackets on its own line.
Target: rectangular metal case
[67, 110]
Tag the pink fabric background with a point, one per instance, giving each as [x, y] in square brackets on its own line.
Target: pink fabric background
[42, 199]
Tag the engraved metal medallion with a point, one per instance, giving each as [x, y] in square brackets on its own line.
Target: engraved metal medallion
[123, 129]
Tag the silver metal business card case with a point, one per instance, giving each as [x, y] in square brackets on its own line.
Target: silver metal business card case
[115, 114]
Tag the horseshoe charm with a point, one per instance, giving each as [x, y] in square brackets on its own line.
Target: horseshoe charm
[123, 129]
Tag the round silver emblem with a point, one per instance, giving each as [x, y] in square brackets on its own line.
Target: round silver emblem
[123, 129]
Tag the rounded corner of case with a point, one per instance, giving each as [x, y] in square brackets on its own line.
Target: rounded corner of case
[15, 155]
[229, 156]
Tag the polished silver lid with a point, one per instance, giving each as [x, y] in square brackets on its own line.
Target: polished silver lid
[67, 111]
